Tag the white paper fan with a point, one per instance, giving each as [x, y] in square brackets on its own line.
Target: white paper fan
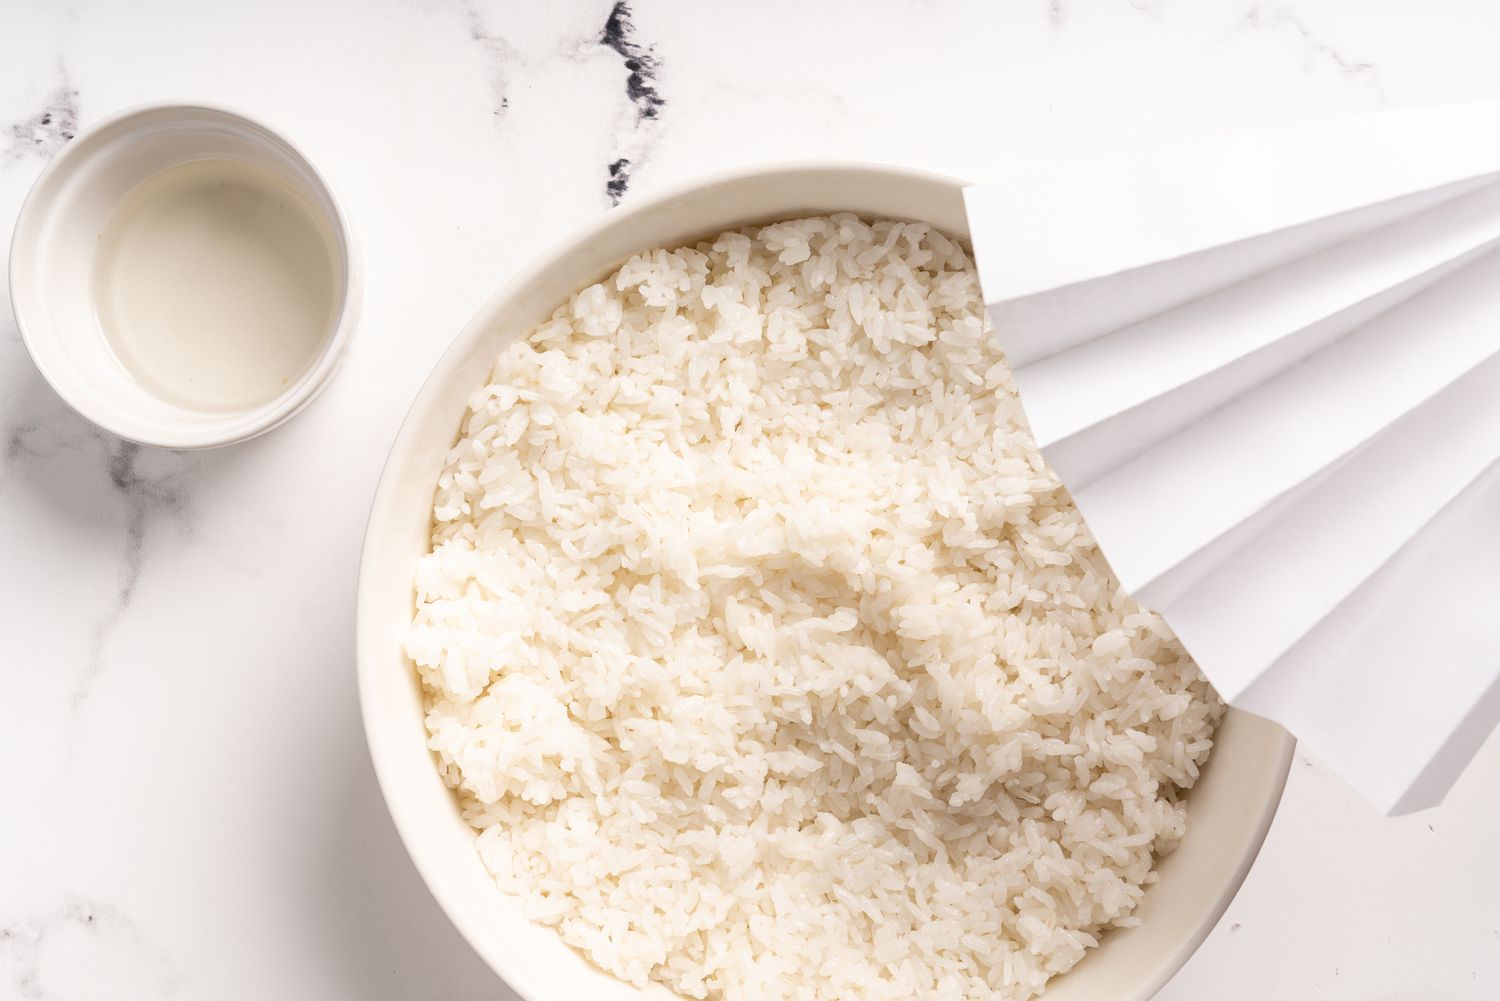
[1268, 369]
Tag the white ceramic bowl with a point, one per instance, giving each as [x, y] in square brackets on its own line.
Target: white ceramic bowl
[52, 256]
[1229, 811]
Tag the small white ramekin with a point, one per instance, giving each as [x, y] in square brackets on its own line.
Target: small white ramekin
[52, 256]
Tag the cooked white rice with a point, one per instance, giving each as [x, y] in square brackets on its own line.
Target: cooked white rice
[766, 654]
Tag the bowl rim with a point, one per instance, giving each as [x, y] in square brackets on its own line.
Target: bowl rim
[451, 359]
[235, 427]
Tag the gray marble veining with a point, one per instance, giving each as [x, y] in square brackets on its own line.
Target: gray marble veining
[146, 497]
[45, 132]
[637, 122]
[643, 92]
[502, 60]
[97, 933]
[1279, 19]
[149, 487]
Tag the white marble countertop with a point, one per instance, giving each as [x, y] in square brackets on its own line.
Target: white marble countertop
[186, 807]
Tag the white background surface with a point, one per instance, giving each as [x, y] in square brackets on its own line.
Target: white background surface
[186, 809]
